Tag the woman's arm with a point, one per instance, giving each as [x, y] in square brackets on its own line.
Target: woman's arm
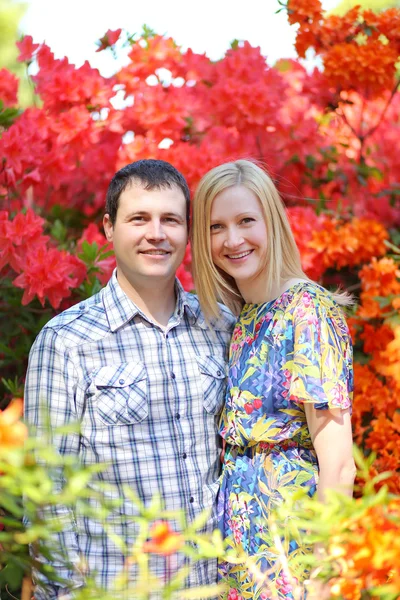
[332, 438]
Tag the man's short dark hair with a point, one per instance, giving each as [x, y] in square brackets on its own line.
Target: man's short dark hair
[149, 173]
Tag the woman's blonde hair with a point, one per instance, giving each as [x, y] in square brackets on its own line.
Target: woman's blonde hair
[282, 258]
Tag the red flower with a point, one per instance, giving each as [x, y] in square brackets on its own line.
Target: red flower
[18, 237]
[109, 39]
[184, 271]
[8, 88]
[50, 273]
[26, 48]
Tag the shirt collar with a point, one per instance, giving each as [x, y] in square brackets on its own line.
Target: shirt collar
[120, 309]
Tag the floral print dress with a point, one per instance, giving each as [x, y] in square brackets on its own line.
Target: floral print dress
[286, 352]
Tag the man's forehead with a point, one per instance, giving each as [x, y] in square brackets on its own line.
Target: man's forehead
[137, 197]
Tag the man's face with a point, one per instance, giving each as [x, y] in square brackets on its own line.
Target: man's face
[149, 235]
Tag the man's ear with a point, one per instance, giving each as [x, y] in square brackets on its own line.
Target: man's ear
[108, 227]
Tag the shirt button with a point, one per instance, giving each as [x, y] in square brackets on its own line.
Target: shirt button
[191, 499]
[172, 375]
[219, 373]
[177, 416]
[82, 306]
[122, 381]
[184, 455]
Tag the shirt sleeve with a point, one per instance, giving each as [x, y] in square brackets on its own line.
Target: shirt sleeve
[321, 365]
[48, 404]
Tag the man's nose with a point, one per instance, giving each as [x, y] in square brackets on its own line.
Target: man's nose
[155, 230]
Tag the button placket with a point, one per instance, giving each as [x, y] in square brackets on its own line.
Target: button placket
[172, 375]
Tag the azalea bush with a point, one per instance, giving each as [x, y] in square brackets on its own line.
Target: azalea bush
[329, 138]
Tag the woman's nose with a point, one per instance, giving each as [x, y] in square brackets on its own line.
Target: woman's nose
[233, 238]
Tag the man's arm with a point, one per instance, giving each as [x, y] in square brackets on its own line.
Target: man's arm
[49, 403]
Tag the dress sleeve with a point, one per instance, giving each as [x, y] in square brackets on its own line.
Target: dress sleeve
[321, 364]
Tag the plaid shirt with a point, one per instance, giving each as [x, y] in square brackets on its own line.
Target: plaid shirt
[148, 399]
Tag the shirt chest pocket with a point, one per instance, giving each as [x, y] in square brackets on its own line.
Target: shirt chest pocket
[213, 381]
[121, 394]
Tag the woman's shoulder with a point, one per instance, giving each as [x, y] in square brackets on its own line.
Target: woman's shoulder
[313, 305]
[309, 296]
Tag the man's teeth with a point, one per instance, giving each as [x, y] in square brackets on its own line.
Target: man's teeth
[240, 255]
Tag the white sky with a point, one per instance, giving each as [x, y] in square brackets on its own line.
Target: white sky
[71, 27]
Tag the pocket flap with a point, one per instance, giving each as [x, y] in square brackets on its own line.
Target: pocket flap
[212, 365]
[119, 376]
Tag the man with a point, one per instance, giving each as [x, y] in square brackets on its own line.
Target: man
[138, 367]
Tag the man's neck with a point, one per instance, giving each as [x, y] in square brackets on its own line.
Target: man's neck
[156, 301]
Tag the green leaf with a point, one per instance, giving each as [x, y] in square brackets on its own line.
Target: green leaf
[11, 505]
[11, 576]
[59, 231]
[89, 252]
[8, 115]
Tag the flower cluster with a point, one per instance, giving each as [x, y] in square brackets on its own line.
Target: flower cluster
[375, 326]
[367, 549]
[348, 244]
[43, 272]
[359, 49]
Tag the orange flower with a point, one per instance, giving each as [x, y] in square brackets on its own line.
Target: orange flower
[13, 433]
[385, 435]
[390, 365]
[369, 546]
[376, 339]
[346, 589]
[301, 11]
[163, 539]
[349, 244]
[380, 277]
[369, 68]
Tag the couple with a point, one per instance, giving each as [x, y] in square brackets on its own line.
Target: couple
[142, 366]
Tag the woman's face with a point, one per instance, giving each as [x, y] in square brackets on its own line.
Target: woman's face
[238, 235]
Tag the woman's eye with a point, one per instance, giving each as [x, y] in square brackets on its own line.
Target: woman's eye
[215, 227]
[247, 220]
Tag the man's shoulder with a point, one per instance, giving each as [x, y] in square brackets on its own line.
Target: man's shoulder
[79, 318]
[225, 321]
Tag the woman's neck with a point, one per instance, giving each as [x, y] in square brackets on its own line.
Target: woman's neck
[257, 292]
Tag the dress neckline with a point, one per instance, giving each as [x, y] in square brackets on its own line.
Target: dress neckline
[249, 305]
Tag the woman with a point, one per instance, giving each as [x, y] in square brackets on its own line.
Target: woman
[287, 415]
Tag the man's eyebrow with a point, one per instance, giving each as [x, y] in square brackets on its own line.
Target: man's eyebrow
[173, 214]
[143, 213]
